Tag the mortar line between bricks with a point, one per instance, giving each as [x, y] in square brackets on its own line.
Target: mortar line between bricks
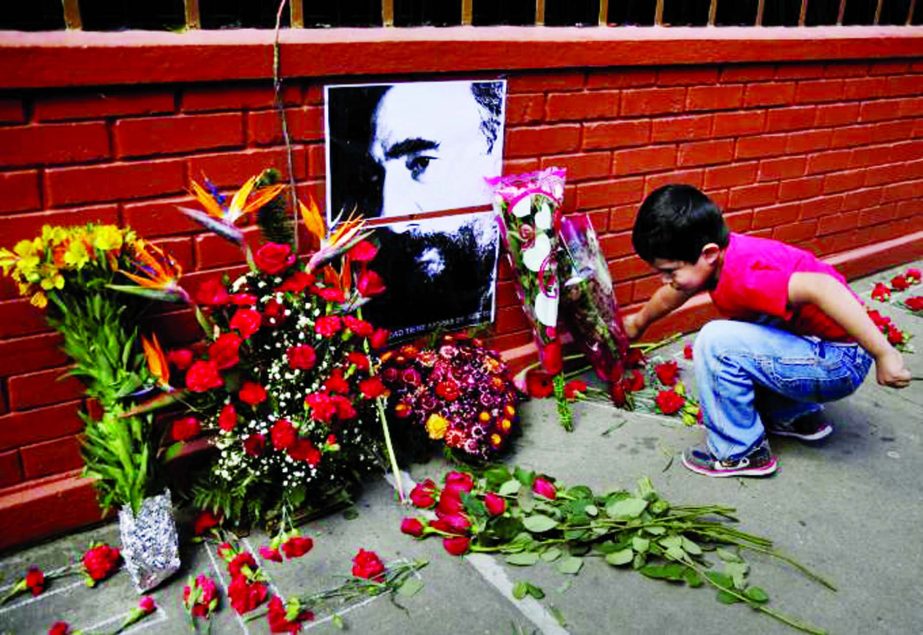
[211, 557]
[488, 568]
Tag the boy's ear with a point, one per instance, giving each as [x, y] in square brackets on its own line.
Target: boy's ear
[710, 253]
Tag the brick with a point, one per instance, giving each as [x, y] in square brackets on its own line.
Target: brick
[879, 110]
[621, 78]
[622, 217]
[594, 195]
[171, 135]
[599, 104]
[27, 354]
[304, 124]
[772, 94]
[629, 268]
[20, 318]
[41, 424]
[3, 405]
[43, 388]
[796, 232]
[684, 128]
[790, 118]
[775, 215]
[903, 85]
[821, 90]
[781, 168]
[542, 140]
[850, 136]
[213, 251]
[705, 152]
[752, 196]
[518, 166]
[11, 111]
[906, 151]
[735, 124]
[581, 167]
[822, 206]
[837, 223]
[152, 219]
[232, 169]
[20, 192]
[645, 288]
[798, 189]
[864, 88]
[544, 82]
[724, 97]
[651, 101]
[97, 105]
[842, 181]
[881, 174]
[892, 130]
[51, 457]
[718, 197]
[739, 221]
[846, 69]
[808, 141]
[836, 114]
[114, 182]
[51, 144]
[798, 70]
[688, 177]
[20, 226]
[510, 318]
[862, 199]
[901, 191]
[747, 73]
[760, 146]
[616, 245]
[524, 109]
[731, 175]
[865, 156]
[639, 160]
[911, 208]
[10, 469]
[317, 160]
[199, 99]
[687, 76]
[828, 161]
[910, 107]
[616, 134]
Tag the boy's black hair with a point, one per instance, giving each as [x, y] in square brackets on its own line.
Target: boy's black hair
[675, 222]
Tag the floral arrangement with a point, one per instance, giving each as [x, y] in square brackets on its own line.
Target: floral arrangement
[530, 518]
[457, 393]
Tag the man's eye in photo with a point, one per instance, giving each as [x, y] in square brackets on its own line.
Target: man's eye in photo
[417, 165]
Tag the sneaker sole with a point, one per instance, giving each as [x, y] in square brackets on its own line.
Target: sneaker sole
[764, 470]
[823, 433]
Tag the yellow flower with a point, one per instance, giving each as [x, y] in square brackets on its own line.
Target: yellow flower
[54, 234]
[496, 440]
[29, 252]
[107, 237]
[436, 426]
[506, 425]
[76, 255]
[51, 278]
[39, 299]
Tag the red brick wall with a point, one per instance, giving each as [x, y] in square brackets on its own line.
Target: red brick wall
[825, 155]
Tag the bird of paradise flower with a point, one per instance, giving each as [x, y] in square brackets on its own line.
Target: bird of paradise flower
[158, 274]
[222, 219]
[344, 237]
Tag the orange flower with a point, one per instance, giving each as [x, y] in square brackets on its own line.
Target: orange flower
[223, 220]
[158, 276]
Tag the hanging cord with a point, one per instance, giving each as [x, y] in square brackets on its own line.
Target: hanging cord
[280, 107]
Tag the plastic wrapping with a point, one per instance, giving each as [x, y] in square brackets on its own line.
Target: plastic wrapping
[150, 545]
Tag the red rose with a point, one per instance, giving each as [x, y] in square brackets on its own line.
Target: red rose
[185, 429]
[296, 283]
[322, 408]
[687, 351]
[495, 504]
[370, 284]
[274, 313]
[252, 393]
[371, 387]
[329, 294]
[147, 604]
[449, 502]
[301, 357]
[268, 553]
[359, 360]
[881, 292]
[336, 382]
[100, 562]
[224, 350]
[297, 546]
[669, 401]
[423, 494]
[328, 325]
[203, 376]
[304, 450]
[211, 293]
[634, 381]
[274, 258]
[667, 372]
[895, 335]
[551, 358]
[180, 358]
[254, 444]
[457, 545]
[35, 580]
[357, 326]
[228, 417]
[379, 339]
[544, 487]
[242, 564]
[246, 321]
[459, 480]
[412, 527]
[574, 388]
[243, 299]
[283, 434]
[246, 596]
[915, 303]
[363, 251]
[204, 521]
[367, 564]
[899, 283]
[456, 523]
[539, 384]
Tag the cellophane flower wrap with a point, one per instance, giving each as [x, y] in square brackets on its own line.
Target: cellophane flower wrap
[588, 306]
[528, 210]
[458, 393]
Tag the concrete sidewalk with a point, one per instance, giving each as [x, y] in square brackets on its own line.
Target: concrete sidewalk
[850, 507]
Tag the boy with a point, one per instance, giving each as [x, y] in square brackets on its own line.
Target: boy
[797, 335]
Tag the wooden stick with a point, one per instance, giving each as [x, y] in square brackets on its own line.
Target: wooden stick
[387, 12]
[712, 12]
[604, 12]
[759, 12]
[878, 12]
[658, 13]
[539, 12]
[841, 13]
[467, 12]
[296, 15]
[804, 12]
[193, 19]
[909, 22]
[72, 19]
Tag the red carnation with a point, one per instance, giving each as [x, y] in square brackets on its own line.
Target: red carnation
[281, 621]
[881, 292]
[544, 487]
[296, 283]
[224, 350]
[412, 527]
[304, 450]
[180, 358]
[539, 384]
[913, 275]
[456, 545]
[185, 429]
[100, 562]
[246, 322]
[243, 299]
[372, 387]
[254, 445]
[617, 394]
[274, 313]
[895, 335]
[211, 293]
[367, 564]
[379, 339]
[370, 284]
[60, 628]
[687, 351]
[667, 372]
[359, 360]
[204, 521]
[551, 358]
[423, 495]
[301, 357]
[246, 596]
[35, 580]
[899, 283]
[283, 434]
[331, 294]
[344, 406]
[268, 553]
[574, 388]
[297, 546]
[669, 401]
[252, 393]
[495, 504]
[336, 382]
[242, 564]
[328, 325]
[634, 381]
[228, 417]
[363, 251]
[915, 303]
[357, 326]
[322, 408]
[274, 258]
[203, 376]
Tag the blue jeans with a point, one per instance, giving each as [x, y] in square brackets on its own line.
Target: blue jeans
[752, 375]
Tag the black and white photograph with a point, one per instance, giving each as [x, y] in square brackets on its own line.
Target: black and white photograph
[439, 272]
[401, 149]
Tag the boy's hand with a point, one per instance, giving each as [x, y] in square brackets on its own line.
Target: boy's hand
[633, 326]
[890, 370]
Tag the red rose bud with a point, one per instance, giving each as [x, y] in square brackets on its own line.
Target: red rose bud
[617, 394]
[881, 292]
[224, 350]
[296, 283]
[539, 384]
[363, 251]
[211, 293]
[367, 564]
[379, 339]
[456, 523]
[147, 604]
[268, 553]
[331, 294]
[180, 358]
[687, 351]
[252, 393]
[371, 387]
[495, 504]
[669, 401]
[667, 372]
[297, 546]
[450, 502]
[459, 480]
[423, 494]
[370, 284]
[456, 545]
[899, 283]
[574, 388]
[227, 420]
[202, 376]
[412, 527]
[254, 445]
[545, 488]
[246, 322]
[551, 358]
[274, 258]
[204, 521]
[185, 429]
[301, 357]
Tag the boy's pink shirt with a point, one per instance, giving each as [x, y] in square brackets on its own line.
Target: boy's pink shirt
[754, 281]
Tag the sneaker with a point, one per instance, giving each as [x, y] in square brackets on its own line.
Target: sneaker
[810, 427]
[760, 462]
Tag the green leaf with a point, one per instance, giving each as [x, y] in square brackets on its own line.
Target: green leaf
[626, 508]
[756, 594]
[722, 580]
[337, 621]
[656, 530]
[524, 476]
[618, 558]
[558, 615]
[728, 556]
[526, 500]
[738, 572]
[535, 591]
[570, 566]
[510, 488]
[551, 554]
[524, 559]
[693, 579]
[726, 598]
[591, 510]
[173, 451]
[351, 513]
[672, 571]
[580, 491]
[639, 544]
[497, 476]
[691, 547]
[520, 589]
[410, 587]
[539, 523]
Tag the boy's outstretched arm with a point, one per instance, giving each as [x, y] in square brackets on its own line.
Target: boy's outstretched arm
[836, 301]
[665, 300]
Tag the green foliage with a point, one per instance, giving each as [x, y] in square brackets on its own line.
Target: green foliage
[116, 453]
[274, 219]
